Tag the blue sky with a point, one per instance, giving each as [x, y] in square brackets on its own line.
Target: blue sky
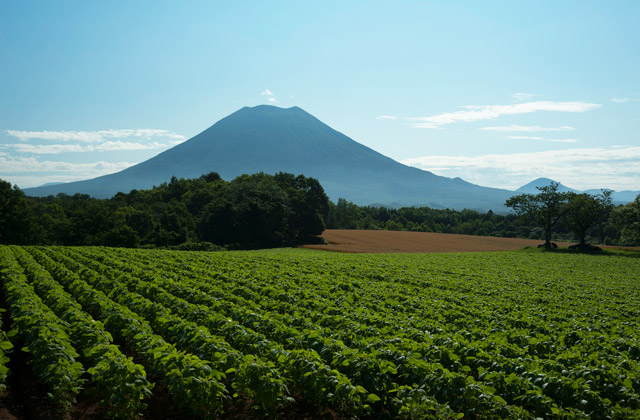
[498, 93]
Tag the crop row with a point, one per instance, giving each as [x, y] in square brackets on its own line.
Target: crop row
[502, 365]
[519, 374]
[505, 335]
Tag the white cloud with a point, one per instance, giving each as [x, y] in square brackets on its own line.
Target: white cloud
[32, 165]
[30, 172]
[623, 100]
[386, 117]
[523, 96]
[616, 168]
[125, 145]
[93, 136]
[526, 128]
[270, 96]
[52, 149]
[542, 139]
[488, 112]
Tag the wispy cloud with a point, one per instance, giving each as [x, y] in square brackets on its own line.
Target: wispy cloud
[31, 172]
[526, 128]
[386, 117]
[542, 139]
[18, 166]
[267, 92]
[623, 100]
[523, 96]
[617, 167]
[488, 112]
[52, 149]
[93, 136]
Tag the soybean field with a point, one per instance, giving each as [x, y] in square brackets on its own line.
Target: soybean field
[375, 336]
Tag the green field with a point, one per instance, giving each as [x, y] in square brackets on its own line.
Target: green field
[469, 335]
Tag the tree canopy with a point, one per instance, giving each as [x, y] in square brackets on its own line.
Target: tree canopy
[249, 212]
[627, 219]
[545, 208]
[584, 211]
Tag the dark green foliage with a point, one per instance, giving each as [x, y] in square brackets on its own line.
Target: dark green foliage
[269, 210]
[5, 350]
[546, 208]
[16, 218]
[627, 219]
[584, 211]
[251, 211]
[308, 204]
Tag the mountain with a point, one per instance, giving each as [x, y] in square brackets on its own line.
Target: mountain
[618, 197]
[271, 139]
[532, 187]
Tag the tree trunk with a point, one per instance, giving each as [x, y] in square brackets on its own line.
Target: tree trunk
[547, 238]
[583, 243]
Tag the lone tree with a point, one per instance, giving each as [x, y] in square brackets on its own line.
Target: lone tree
[585, 210]
[545, 208]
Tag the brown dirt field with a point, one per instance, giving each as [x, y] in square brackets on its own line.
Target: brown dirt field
[397, 241]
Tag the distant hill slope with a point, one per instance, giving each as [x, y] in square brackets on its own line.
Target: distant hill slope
[616, 197]
[271, 139]
[532, 187]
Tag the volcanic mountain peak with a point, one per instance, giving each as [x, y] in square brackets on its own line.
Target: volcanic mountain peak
[270, 139]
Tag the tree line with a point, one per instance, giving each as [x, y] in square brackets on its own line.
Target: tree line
[256, 211]
[580, 217]
[252, 211]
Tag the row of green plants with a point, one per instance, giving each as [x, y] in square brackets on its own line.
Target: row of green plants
[54, 360]
[481, 335]
[374, 371]
[190, 381]
[483, 358]
[6, 347]
[325, 387]
[121, 384]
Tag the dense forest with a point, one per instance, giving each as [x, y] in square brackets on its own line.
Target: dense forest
[255, 211]
[252, 211]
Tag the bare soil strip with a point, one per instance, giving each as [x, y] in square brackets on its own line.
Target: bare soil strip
[372, 241]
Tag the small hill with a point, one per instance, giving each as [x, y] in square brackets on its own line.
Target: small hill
[618, 197]
[532, 187]
[271, 139]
